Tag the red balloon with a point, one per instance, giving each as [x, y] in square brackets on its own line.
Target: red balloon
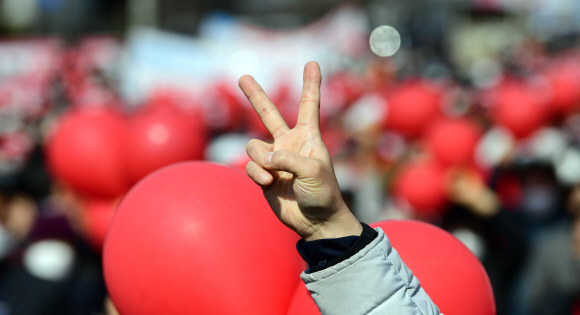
[422, 185]
[450, 274]
[517, 110]
[159, 137]
[199, 238]
[98, 214]
[564, 80]
[412, 106]
[85, 152]
[453, 141]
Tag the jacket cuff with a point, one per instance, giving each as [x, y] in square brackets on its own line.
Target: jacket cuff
[324, 253]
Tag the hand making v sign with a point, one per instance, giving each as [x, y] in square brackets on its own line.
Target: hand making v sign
[296, 172]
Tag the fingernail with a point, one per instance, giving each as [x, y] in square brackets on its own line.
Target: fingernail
[267, 160]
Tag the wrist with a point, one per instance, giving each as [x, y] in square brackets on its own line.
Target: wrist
[324, 253]
[342, 225]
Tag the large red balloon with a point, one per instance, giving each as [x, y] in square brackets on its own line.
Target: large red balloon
[199, 238]
[412, 106]
[449, 273]
[453, 141]
[158, 137]
[85, 152]
[517, 110]
[422, 185]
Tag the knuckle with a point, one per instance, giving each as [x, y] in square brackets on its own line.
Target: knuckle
[308, 98]
[283, 157]
[253, 147]
[265, 111]
[250, 145]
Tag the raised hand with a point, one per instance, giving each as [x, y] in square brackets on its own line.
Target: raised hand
[296, 172]
[468, 189]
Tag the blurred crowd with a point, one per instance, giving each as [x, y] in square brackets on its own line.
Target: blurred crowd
[473, 125]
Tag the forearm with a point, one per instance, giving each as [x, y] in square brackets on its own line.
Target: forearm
[373, 281]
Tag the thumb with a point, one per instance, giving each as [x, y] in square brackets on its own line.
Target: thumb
[288, 161]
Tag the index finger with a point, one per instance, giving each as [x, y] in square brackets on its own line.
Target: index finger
[269, 114]
[309, 112]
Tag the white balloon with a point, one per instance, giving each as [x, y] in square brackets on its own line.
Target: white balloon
[50, 260]
[385, 41]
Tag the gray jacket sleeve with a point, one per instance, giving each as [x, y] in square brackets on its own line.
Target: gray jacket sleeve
[373, 281]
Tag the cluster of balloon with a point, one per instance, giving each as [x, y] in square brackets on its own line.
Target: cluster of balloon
[412, 106]
[430, 253]
[196, 238]
[159, 136]
[453, 141]
[97, 215]
[86, 152]
[101, 153]
[518, 110]
[422, 185]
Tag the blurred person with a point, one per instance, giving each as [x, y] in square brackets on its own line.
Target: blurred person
[552, 277]
[542, 198]
[363, 125]
[50, 270]
[20, 291]
[19, 215]
[298, 180]
[491, 232]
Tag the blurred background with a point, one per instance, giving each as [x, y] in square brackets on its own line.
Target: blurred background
[464, 114]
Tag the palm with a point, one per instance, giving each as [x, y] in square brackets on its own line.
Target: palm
[282, 194]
